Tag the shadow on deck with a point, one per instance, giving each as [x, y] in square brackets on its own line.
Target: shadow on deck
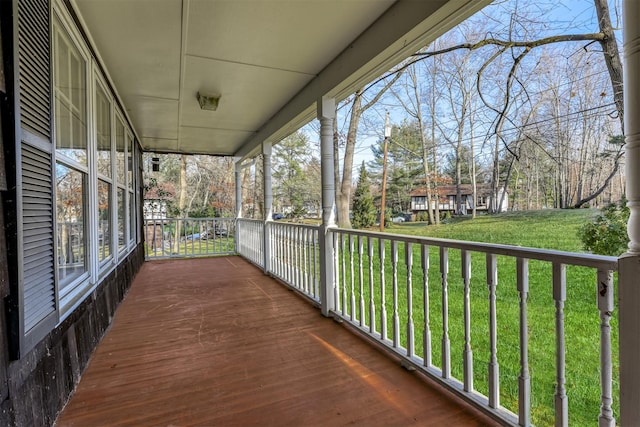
[216, 342]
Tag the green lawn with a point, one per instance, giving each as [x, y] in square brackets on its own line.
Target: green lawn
[546, 229]
[549, 229]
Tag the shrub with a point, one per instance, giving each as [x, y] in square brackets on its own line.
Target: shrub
[607, 234]
[422, 217]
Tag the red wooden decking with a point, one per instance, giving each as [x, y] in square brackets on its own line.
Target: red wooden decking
[214, 342]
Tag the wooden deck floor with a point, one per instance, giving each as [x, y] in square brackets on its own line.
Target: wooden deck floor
[214, 342]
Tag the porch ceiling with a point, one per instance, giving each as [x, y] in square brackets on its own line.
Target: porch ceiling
[268, 60]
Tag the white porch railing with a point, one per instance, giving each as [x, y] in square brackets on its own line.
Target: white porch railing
[251, 240]
[437, 304]
[295, 256]
[189, 237]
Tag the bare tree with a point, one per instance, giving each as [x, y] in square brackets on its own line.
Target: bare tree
[514, 48]
[411, 101]
[344, 185]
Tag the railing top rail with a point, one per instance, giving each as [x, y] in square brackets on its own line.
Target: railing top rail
[295, 224]
[227, 218]
[569, 258]
[250, 220]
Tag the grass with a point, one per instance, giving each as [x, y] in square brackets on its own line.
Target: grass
[548, 229]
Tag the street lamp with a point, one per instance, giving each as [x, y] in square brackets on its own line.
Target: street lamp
[387, 135]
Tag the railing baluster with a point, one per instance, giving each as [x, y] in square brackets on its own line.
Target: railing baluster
[277, 244]
[282, 254]
[360, 280]
[283, 236]
[298, 258]
[316, 273]
[524, 380]
[396, 317]
[446, 345]
[344, 276]
[467, 352]
[275, 251]
[426, 339]
[294, 257]
[289, 253]
[494, 368]
[353, 280]
[309, 265]
[560, 296]
[606, 307]
[336, 263]
[372, 304]
[408, 255]
[306, 265]
[383, 304]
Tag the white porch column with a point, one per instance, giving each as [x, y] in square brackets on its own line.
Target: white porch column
[238, 188]
[326, 114]
[268, 203]
[629, 263]
[238, 163]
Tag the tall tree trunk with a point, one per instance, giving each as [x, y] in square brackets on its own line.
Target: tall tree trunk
[259, 188]
[181, 202]
[474, 187]
[336, 167]
[495, 177]
[459, 210]
[435, 146]
[425, 148]
[346, 184]
[246, 183]
[347, 166]
[611, 56]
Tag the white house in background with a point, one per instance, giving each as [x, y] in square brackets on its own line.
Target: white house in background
[447, 197]
[154, 209]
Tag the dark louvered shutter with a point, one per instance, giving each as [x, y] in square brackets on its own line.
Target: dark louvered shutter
[35, 66]
[38, 308]
[37, 235]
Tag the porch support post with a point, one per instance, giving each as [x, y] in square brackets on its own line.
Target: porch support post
[629, 263]
[268, 204]
[238, 163]
[238, 188]
[326, 114]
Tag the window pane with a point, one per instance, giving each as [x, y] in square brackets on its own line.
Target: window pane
[103, 131]
[71, 186]
[132, 217]
[129, 162]
[121, 219]
[70, 96]
[120, 146]
[104, 220]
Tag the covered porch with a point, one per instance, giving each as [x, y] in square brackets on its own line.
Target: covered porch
[216, 342]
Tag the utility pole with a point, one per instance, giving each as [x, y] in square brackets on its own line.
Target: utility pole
[387, 135]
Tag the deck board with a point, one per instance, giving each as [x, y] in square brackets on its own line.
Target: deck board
[215, 342]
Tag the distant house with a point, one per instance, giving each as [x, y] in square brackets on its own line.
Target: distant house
[447, 199]
[156, 200]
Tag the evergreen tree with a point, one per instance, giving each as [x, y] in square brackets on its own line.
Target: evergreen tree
[364, 214]
[291, 185]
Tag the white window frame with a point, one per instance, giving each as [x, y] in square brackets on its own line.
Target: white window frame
[108, 263]
[75, 290]
[79, 289]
